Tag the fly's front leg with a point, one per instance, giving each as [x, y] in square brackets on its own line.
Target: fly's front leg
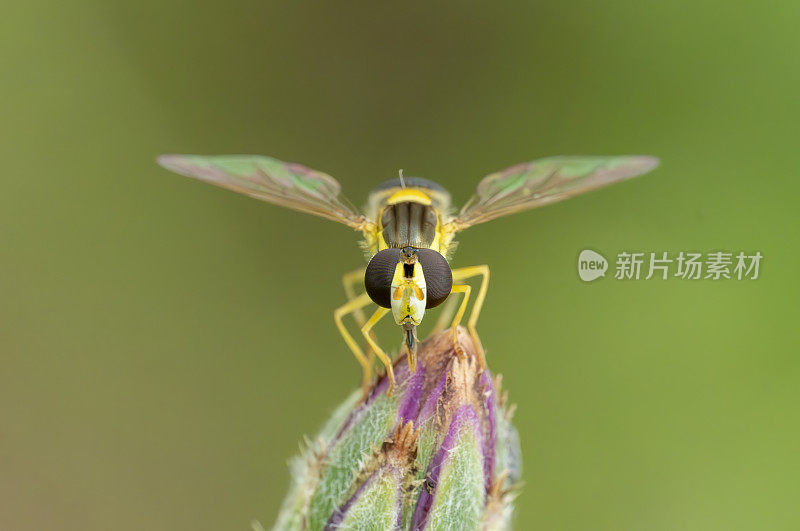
[445, 315]
[387, 361]
[462, 274]
[338, 315]
[465, 289]
[349, 281]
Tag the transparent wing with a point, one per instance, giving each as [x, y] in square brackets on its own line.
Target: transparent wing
[283, 183]
[544, 181]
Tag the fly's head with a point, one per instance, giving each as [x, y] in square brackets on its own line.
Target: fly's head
[408, 280]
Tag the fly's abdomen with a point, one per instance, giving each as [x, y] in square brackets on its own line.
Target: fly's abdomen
[409, 224]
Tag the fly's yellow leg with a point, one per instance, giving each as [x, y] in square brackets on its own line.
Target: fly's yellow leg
[445, 316]
[462, 274]
[349, 281]
[465, 289]
[349, 307]
[387, 361]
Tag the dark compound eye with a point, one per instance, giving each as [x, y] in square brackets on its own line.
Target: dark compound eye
[438, 277]
[378, 278]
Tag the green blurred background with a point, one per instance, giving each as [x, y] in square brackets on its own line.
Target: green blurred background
[164, 344]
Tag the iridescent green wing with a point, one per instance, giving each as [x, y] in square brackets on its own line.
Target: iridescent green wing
[283, 183]
[544, 181]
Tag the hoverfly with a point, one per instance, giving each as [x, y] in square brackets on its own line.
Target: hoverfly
[408, 228]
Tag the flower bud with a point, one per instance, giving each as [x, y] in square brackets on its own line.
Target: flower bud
[440, 453]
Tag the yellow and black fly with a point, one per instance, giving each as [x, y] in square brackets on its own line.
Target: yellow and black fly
[408, 228]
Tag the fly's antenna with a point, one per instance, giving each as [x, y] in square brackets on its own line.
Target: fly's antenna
[402, 181]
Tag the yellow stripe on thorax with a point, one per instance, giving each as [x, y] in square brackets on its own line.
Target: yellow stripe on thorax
[413, 195]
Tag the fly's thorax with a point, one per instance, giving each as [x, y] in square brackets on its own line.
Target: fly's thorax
[411, 212]
[408, 224]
